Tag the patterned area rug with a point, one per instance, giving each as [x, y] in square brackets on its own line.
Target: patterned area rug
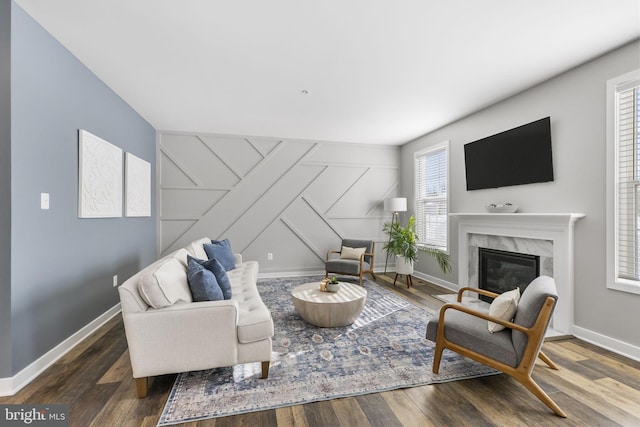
[384, 349]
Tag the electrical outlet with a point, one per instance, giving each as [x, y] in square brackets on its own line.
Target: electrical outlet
[115, 280]
[269, 256]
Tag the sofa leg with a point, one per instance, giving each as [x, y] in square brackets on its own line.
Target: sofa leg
[141, 386]
[265, 369]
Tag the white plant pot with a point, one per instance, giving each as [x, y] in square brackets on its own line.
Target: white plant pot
[403, 265]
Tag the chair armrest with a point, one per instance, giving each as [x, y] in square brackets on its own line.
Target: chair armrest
[332, 252]
[481, 315]
[476, 290]
[364, 255]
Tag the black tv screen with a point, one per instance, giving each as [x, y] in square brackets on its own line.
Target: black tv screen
[518, 156]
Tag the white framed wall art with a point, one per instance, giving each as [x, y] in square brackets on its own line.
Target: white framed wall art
[137, 186]
[99, 177]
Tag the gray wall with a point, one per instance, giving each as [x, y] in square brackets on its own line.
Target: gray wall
[575, 101]
[295, 199]
[62, 266]
[5, 188]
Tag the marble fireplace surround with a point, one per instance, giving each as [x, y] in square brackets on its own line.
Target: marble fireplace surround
[549, 236]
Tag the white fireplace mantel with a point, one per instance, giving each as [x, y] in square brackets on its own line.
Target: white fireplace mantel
[555, 227]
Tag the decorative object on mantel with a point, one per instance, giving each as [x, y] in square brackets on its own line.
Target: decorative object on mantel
[504, 208]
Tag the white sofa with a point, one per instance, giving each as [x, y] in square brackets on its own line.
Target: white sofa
[169, 333]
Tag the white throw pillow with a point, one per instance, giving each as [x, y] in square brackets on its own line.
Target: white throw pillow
[504, 307]
[351, 253]
[166, 285]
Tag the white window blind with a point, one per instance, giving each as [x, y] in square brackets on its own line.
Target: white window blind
[627, 128]
[431, 196]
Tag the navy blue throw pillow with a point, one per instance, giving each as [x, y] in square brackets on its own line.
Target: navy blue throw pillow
[218, 270]
[203, 283]
[221, 250]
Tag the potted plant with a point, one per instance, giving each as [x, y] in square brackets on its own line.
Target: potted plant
[333, 285]
[403, 243]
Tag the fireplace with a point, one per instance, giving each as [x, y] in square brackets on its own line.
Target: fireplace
[501, 271]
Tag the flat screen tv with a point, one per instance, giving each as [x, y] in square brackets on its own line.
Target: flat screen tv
[518, 156]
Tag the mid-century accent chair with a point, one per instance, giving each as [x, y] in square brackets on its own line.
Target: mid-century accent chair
[355, 260]
[512, 350]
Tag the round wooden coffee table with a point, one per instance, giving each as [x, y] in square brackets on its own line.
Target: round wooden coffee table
[329, 309]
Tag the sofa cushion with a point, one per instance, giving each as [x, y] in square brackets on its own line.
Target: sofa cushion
[165, 285]
[196, 248]
[221, 250]
[254, 318]
[203, 283]
[181, 255]
[214, 266]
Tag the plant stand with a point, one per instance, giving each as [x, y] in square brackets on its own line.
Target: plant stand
[407, 277]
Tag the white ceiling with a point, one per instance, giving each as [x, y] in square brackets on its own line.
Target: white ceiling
[375, 71]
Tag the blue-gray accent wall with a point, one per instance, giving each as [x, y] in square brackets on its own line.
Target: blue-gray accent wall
[5, 188]
[62, 266]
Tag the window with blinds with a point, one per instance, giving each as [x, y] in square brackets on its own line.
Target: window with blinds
[431, 173]
[623, 149]
[628, 135]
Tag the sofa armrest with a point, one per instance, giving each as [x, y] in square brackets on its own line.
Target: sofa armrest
[182, 337]
[238, 258]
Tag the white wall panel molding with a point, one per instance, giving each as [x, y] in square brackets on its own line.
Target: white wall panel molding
[293, 199]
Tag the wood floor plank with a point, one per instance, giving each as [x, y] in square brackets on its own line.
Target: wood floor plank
[406, 410]
[321, 414]
[291, 416]
[378, 412]
[349, 413]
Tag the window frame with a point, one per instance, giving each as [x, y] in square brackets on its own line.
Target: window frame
[444, 145]
[614, 87]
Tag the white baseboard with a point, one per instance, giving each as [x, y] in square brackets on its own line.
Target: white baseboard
[623, 348]
[12, 385]
[436, 281]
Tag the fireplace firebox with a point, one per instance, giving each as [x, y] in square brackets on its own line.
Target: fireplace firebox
[501, 271]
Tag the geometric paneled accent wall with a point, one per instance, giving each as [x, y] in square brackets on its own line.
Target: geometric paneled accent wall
[293, 199]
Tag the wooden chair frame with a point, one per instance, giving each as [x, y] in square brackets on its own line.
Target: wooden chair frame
[361, 270]
[521, 373]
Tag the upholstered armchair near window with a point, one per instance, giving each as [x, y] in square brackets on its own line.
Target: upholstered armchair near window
[354, 258]
[512, 350]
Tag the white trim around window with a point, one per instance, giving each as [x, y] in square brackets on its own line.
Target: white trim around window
[623, 183]
[431, 177]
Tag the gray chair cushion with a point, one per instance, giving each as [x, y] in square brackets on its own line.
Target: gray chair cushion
[529, 307]
[345, 266]
[472, 332]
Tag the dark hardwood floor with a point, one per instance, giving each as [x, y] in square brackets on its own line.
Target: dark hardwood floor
[593, 386]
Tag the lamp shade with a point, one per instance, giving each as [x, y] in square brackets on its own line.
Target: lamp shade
[395, 204]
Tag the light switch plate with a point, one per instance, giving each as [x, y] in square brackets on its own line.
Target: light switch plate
[44, 200]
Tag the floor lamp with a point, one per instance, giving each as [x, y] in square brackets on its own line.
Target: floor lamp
[395, 205]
